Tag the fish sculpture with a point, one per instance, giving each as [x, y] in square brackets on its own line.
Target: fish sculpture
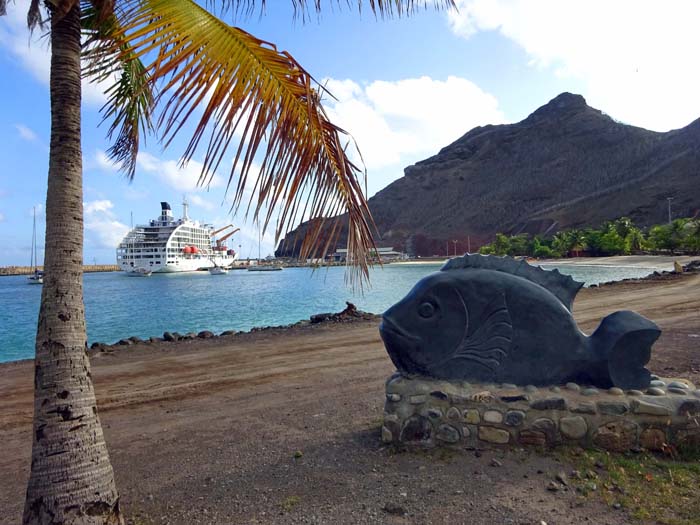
[495, 319]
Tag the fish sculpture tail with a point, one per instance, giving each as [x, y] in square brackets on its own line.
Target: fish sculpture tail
[623, 344]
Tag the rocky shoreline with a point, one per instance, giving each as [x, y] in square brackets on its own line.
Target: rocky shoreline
[349, 315]
[692, 267]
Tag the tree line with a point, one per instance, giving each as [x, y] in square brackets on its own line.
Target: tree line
[618, 237]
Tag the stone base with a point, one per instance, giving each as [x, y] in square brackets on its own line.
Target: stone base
[428, 413]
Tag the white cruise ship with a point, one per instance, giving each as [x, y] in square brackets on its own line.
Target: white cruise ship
[167, 245]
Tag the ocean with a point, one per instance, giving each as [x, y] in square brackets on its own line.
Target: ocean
[117, 306]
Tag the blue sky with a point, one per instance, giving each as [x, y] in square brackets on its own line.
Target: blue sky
[405, 88]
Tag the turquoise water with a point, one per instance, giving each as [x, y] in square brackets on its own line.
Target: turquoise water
[117, 306]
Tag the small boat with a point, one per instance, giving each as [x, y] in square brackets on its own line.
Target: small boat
[139, 272]
[218, 270]
[37, 276]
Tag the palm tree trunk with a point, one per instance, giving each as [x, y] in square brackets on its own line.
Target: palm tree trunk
[71, 480]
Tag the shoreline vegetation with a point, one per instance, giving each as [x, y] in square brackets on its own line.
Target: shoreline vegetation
[619, 237]
[305, 403]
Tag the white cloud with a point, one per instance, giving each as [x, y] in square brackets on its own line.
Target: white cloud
[202, 203]
[414, 117]
[33, 51]
[2, 217]
[636, 57]
[97, 206]
[26, 133]
[171, 173]
[104, 162]
[102, 230]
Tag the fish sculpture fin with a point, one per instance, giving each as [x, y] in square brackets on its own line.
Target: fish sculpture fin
[563, 287]
[623, 342]
[489, 343]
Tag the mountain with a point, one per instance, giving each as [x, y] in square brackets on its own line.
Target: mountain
[567, 165]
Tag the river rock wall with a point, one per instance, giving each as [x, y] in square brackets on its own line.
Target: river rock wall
[430, 413]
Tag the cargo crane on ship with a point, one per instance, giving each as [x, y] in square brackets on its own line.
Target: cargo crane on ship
[219, 244]
[220, 247]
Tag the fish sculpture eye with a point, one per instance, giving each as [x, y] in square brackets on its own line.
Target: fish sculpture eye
[426, 310]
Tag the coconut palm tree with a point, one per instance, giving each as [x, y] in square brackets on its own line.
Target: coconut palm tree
[246, 86]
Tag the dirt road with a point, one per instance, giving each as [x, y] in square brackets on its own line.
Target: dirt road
[282, 426]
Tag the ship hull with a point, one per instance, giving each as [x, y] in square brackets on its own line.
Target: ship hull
[187, 265]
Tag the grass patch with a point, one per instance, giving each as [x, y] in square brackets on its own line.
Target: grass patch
[649, 487]
[289, 503]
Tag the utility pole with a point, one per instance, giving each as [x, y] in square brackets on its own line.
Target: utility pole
[669, 199]
[447, 248]
[469, 244]
[455, 243]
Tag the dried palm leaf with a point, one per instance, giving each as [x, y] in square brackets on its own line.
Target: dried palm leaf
[243, 93]
[258, 100]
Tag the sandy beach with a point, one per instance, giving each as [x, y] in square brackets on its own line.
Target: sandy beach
[282, 426]
[661, 263]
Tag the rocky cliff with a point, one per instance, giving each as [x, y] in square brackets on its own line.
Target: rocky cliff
[567, 165]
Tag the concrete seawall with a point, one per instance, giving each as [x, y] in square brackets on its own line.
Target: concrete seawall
[26, 270]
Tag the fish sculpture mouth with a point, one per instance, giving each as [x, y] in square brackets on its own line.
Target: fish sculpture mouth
[397, 341]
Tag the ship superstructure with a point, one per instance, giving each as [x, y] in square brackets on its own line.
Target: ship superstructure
[167, 245]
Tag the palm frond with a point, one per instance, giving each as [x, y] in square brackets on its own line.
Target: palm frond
[34, 19]
[130, 99]
[262, 102]
[302, 8]
[3, 7]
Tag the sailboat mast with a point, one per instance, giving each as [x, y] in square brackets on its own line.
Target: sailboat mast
[33, 256]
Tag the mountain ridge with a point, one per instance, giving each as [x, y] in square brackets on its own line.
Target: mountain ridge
[565, 165]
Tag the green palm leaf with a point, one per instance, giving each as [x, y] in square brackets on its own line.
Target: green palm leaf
[130, 99]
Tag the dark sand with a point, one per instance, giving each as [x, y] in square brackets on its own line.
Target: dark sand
[207, 431]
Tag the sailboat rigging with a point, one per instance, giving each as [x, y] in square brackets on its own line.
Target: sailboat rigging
[37, 276]
[258, 267]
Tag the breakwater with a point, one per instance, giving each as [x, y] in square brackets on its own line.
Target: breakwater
[26, 270]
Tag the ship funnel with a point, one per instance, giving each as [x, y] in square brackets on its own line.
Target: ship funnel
[165, 213]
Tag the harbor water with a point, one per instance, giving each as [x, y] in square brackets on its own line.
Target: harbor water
[117, 306]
